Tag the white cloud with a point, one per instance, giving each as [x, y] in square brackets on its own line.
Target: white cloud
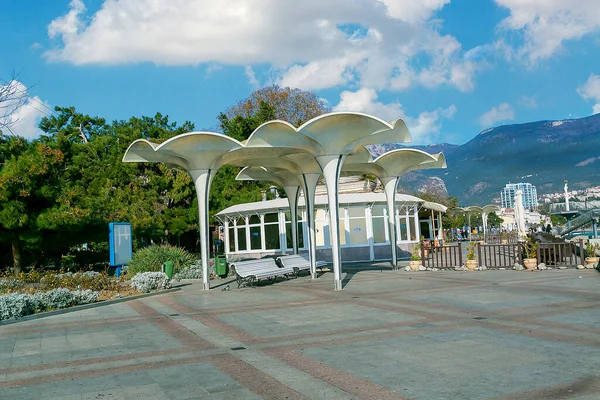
[318, 74]
[502, 112]
[24, 113]
[212, 68]
[547, 24]
[251, 76]
[528, 101]
[425, 128]
[413, 11]
[391, 44]
[590, 90]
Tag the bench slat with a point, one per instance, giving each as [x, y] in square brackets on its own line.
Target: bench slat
[259, 269]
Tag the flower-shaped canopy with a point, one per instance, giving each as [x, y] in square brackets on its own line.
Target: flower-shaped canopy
[320, 146]
[290, 183]
[471, 210]
[389, 168]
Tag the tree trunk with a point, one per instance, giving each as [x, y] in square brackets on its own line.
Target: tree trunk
[16, 253]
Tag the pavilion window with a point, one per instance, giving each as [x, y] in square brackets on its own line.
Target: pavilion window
[412, 220]
[231, 234]
[271, 231]
[241, 234]
[321, 226]
[288, 230]
[255, 234]
[357, 225]
[404, 216]
[343, 223]
[301, 227]
[379, 221]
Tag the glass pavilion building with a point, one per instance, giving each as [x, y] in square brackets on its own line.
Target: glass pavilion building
[264, 228]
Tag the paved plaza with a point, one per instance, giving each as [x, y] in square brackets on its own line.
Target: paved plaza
[387, 335]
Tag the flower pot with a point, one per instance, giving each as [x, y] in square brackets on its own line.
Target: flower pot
[471, 264]
[591, 261]
[504, 241]
[414, 265]
[530, 263]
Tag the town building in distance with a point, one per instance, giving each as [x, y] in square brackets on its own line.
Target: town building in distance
[530, 200]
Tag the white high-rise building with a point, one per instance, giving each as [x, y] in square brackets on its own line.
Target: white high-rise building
[530, 200]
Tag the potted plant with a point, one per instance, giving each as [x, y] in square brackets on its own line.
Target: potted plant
[415, 258]
[504, 237]
[530, 262]
[590, 251]
[471, 262]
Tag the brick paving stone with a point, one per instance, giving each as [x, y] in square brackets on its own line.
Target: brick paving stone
[500, 335]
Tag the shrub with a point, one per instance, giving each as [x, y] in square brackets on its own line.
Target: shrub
[148, 281]
[85, 296]
[471, 251]
[57, 298]
[79, 280]
[192, 272]
[16, 305]
[8, 285]
[416, 252]
[591, 248]
[151, 258]
[530, 248]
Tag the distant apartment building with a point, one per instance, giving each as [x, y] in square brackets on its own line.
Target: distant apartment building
[530, 200]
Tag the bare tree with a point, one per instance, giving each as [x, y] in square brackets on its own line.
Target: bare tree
[13, 95]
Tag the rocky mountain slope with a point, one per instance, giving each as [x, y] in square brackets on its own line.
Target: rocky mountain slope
[543, 153]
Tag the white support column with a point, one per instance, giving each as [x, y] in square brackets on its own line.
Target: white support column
[263, 241]
[309, 188]
[247, 233]
[226, 227]
[386, 227]
[331, 166]
[370, 237]
[236, 241]
[484, 221]
[202, 179]
[407, 218]
[292, 193]
[389, 187]
[282, 233]
[441, 226]
[417, 223]
[470, 230]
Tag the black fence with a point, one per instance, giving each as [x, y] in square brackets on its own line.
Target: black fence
[442, 257]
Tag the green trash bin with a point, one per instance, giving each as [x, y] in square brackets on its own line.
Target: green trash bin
[221, 265]
[168, 268]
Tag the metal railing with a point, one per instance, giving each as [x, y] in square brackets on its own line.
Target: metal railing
[442, 257]
[501, 238]
[580, 221]
[493, 256]
[567, 254]
[496, 256]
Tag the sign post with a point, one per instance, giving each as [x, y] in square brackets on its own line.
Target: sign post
[120, 245]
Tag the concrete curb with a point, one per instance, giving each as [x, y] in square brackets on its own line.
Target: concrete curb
[86, 306]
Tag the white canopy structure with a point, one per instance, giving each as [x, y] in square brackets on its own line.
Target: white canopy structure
[389, 168]
[320, 146]
[484, 211]
[520, 214]
[291, 185]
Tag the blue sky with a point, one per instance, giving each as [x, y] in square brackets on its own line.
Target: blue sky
[450, 69]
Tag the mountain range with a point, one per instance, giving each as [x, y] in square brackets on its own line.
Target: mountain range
[543, 153]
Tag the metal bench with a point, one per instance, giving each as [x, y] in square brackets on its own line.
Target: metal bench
[299, 262]
[251, 271]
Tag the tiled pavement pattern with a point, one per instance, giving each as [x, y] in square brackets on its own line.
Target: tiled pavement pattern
[388, 335]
